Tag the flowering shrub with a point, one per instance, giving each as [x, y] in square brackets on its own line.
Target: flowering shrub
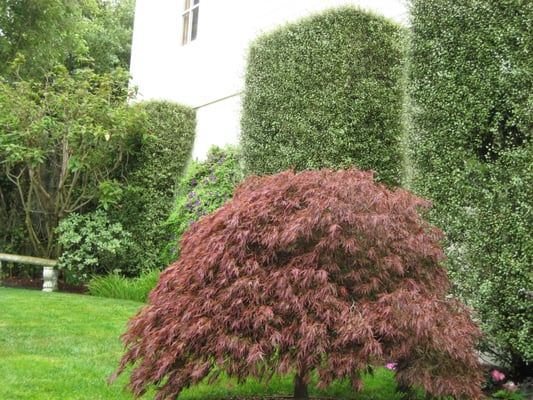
[206, 186]
[500, 388]
[322, 272]
[497, 376]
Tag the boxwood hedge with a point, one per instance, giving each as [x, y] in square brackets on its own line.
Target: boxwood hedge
[325, 91]
[471, 86]
[152, 176]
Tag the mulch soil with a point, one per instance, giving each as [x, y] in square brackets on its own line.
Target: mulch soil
[37, 284]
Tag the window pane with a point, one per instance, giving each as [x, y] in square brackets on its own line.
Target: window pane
[196, 2]
[187, 4]
[195, 14]
[185, 37]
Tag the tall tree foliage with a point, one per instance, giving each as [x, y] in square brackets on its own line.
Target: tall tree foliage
[35, 38]
[63, 142]
[106, 30]
[323, 271]
[38, 35]
[472, 87]
[35, 34]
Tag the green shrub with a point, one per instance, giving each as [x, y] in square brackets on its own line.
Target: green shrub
[152, 177]
[326, 91]
[91, 244]
[12, 228]
[507, 395]
[117, 286]
[471, 84]
[13, 234]
[206, 186]
[63, 144]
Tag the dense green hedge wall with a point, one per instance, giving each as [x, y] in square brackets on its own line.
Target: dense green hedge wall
[325, 92]
[152, 178]
[471, 145]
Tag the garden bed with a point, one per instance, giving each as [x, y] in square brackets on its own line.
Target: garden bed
[37, 284]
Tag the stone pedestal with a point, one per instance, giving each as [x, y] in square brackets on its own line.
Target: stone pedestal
[49, 279]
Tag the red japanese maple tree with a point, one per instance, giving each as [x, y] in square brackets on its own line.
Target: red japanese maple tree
[324, 271]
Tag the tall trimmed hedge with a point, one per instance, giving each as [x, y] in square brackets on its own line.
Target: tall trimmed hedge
[152, 179]
[471, 144]
[325, 92]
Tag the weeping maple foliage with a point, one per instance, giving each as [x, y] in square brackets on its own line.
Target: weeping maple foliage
[321, 271]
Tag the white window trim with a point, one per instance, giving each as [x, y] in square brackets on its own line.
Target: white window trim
[191, 7]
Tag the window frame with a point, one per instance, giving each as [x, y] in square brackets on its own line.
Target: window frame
[189, 19]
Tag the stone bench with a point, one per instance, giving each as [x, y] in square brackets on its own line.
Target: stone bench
[49, 270]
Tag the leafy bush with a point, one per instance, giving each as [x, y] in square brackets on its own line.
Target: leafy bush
[206, 186]
[326, 91]
[471, 82]
[62, 140]
[322, 271]
[91, 244]
[117, 286]
[152, 179]
[13, 236]
[493, 267]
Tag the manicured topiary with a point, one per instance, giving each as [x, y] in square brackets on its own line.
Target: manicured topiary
[472, 151]
[324, 92]
[322, 271]
[152, 177]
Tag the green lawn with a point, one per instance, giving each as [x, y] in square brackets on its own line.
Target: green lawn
[60, 346]
[64, 346]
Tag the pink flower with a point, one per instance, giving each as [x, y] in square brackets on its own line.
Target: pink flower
[497, 376]
[391, 365]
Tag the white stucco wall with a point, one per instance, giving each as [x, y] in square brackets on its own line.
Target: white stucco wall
[217, 124]
[207, 73]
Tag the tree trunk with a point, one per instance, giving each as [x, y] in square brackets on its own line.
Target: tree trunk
[407, 392]
[300, 388]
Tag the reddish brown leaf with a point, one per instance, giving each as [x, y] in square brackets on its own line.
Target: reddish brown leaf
[324, 271]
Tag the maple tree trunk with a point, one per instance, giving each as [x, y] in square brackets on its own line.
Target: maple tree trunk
[300, 388]
[408, 393]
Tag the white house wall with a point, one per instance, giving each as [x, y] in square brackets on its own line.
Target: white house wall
[208, 72]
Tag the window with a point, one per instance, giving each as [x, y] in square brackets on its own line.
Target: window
[190, 20]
